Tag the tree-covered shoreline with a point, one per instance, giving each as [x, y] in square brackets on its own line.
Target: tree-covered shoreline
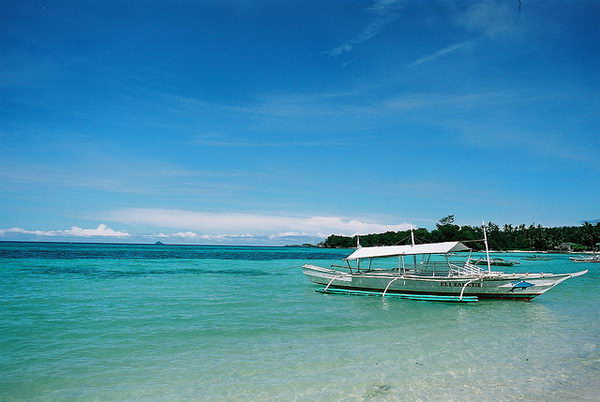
[507, 237]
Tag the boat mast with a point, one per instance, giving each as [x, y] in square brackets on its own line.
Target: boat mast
[487, 250]
[412, 240]
[357, 247]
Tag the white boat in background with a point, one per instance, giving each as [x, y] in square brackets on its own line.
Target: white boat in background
[591, 258]
[435, 277]
[494, 261]
[535, 257]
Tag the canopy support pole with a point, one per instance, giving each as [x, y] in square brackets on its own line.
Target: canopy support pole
[403, 266]
[412, 240]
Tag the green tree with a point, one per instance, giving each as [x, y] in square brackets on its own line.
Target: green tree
[507, 237]
[447, 220]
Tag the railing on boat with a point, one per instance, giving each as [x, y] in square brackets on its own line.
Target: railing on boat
[447, 268]
[427, 268]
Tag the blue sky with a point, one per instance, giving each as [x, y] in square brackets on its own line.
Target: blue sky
[265, 122]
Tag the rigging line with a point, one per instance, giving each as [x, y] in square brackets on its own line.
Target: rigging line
[286, 268]
[400, 241]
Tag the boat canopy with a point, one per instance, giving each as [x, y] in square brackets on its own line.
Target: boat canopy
[389, 251]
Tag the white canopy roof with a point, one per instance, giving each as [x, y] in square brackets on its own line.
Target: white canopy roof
[388, 251]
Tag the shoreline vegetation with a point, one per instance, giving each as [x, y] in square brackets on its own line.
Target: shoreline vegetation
[518, 238]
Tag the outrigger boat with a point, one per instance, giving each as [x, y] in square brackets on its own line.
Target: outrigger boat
[494, 261]
[435, 277]
[591, 258]
[537, 258]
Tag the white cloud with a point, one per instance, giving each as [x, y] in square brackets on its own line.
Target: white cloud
[120, 174]
[385, 11]
[492, 18]
[244, 224]
[185, 235]
[195, 238]
[301, 237]
[487, 18]
[437, 100]
[217, 228]
[101, 231]
[443, 52]
[221, 140]
[25, 231]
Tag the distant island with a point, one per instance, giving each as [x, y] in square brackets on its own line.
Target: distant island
[508, 237]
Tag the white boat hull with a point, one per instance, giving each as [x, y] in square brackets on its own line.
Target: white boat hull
[495, 285]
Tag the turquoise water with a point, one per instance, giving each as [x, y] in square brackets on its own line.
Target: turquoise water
[114, 322]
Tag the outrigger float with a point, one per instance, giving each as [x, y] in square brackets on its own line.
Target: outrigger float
[438, 276]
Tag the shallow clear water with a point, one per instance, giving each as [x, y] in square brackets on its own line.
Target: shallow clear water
[242, 323]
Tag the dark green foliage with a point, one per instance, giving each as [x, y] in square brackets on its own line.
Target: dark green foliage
[507, 237]
[335, 241]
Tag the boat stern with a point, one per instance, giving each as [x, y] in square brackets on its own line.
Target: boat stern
[325, 276]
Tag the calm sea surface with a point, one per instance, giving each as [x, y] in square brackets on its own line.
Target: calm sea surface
[114, 322]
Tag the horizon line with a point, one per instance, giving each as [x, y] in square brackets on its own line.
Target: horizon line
[151, 244]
